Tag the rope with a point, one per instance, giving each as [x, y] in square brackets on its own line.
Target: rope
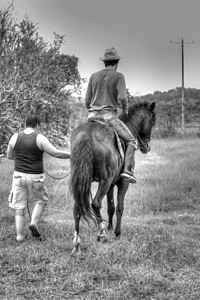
[52, 178]
[28, 208]
[57, 178]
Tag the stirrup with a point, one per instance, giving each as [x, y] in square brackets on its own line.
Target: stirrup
[130, 178]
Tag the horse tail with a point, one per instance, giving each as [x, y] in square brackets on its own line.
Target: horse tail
[81, 178]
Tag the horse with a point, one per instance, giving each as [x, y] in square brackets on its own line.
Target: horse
[95, 156]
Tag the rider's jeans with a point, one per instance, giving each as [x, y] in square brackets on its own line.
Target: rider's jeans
[117, 124]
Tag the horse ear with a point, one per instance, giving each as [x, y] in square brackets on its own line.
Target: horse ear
[152, 106]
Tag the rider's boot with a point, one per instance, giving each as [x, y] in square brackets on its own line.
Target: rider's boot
[129, 164]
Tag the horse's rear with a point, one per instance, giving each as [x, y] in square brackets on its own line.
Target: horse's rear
[94, 152]
[94, 157]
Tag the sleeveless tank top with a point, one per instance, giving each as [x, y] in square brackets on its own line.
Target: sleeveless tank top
[28, 157]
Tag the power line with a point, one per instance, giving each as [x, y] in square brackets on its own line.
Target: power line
[182, 98]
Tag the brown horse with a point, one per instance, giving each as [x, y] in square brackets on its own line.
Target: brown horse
[95, 156]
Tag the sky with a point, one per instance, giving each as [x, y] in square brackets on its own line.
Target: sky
[141, 31]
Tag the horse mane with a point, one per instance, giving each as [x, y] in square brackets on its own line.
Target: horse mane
[137, 104]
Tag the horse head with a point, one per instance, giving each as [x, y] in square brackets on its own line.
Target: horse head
[140, 121]
[144, 133]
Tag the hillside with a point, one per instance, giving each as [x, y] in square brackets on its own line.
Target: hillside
[168, 105]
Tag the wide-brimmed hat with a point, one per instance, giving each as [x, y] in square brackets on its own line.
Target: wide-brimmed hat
[110, 54]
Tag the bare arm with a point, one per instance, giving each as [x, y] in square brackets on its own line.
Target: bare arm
[124, 105]
[44, 144]
[10, 152]
[11, 144]
[122, 95]
[88, 96]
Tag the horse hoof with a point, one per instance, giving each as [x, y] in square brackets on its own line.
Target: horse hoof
[110, 227]
[77, 249]
[102, 238]
[101, 235]
[76, 252]
[117, 235]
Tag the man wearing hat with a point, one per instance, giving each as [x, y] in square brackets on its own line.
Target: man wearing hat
[106, 88]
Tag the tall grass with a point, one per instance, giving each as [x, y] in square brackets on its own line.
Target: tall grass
[157, 257]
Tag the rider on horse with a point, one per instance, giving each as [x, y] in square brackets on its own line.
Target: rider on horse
[106, 88]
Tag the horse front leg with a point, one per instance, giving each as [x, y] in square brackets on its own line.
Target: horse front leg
[110, 207]
[122, 189]
[76, 241]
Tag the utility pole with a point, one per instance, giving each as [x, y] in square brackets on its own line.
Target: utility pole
[182, 93]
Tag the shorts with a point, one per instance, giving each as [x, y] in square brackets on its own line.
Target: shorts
[27, 186]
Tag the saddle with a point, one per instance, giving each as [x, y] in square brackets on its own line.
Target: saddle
[119, 142]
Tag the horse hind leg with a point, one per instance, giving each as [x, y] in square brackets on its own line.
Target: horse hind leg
[103, 188]
[110, 207]
[76, 241]
[122, 189]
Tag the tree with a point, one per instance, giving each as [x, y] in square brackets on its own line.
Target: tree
[33, 75]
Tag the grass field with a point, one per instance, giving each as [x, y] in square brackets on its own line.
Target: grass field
[156, 258]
